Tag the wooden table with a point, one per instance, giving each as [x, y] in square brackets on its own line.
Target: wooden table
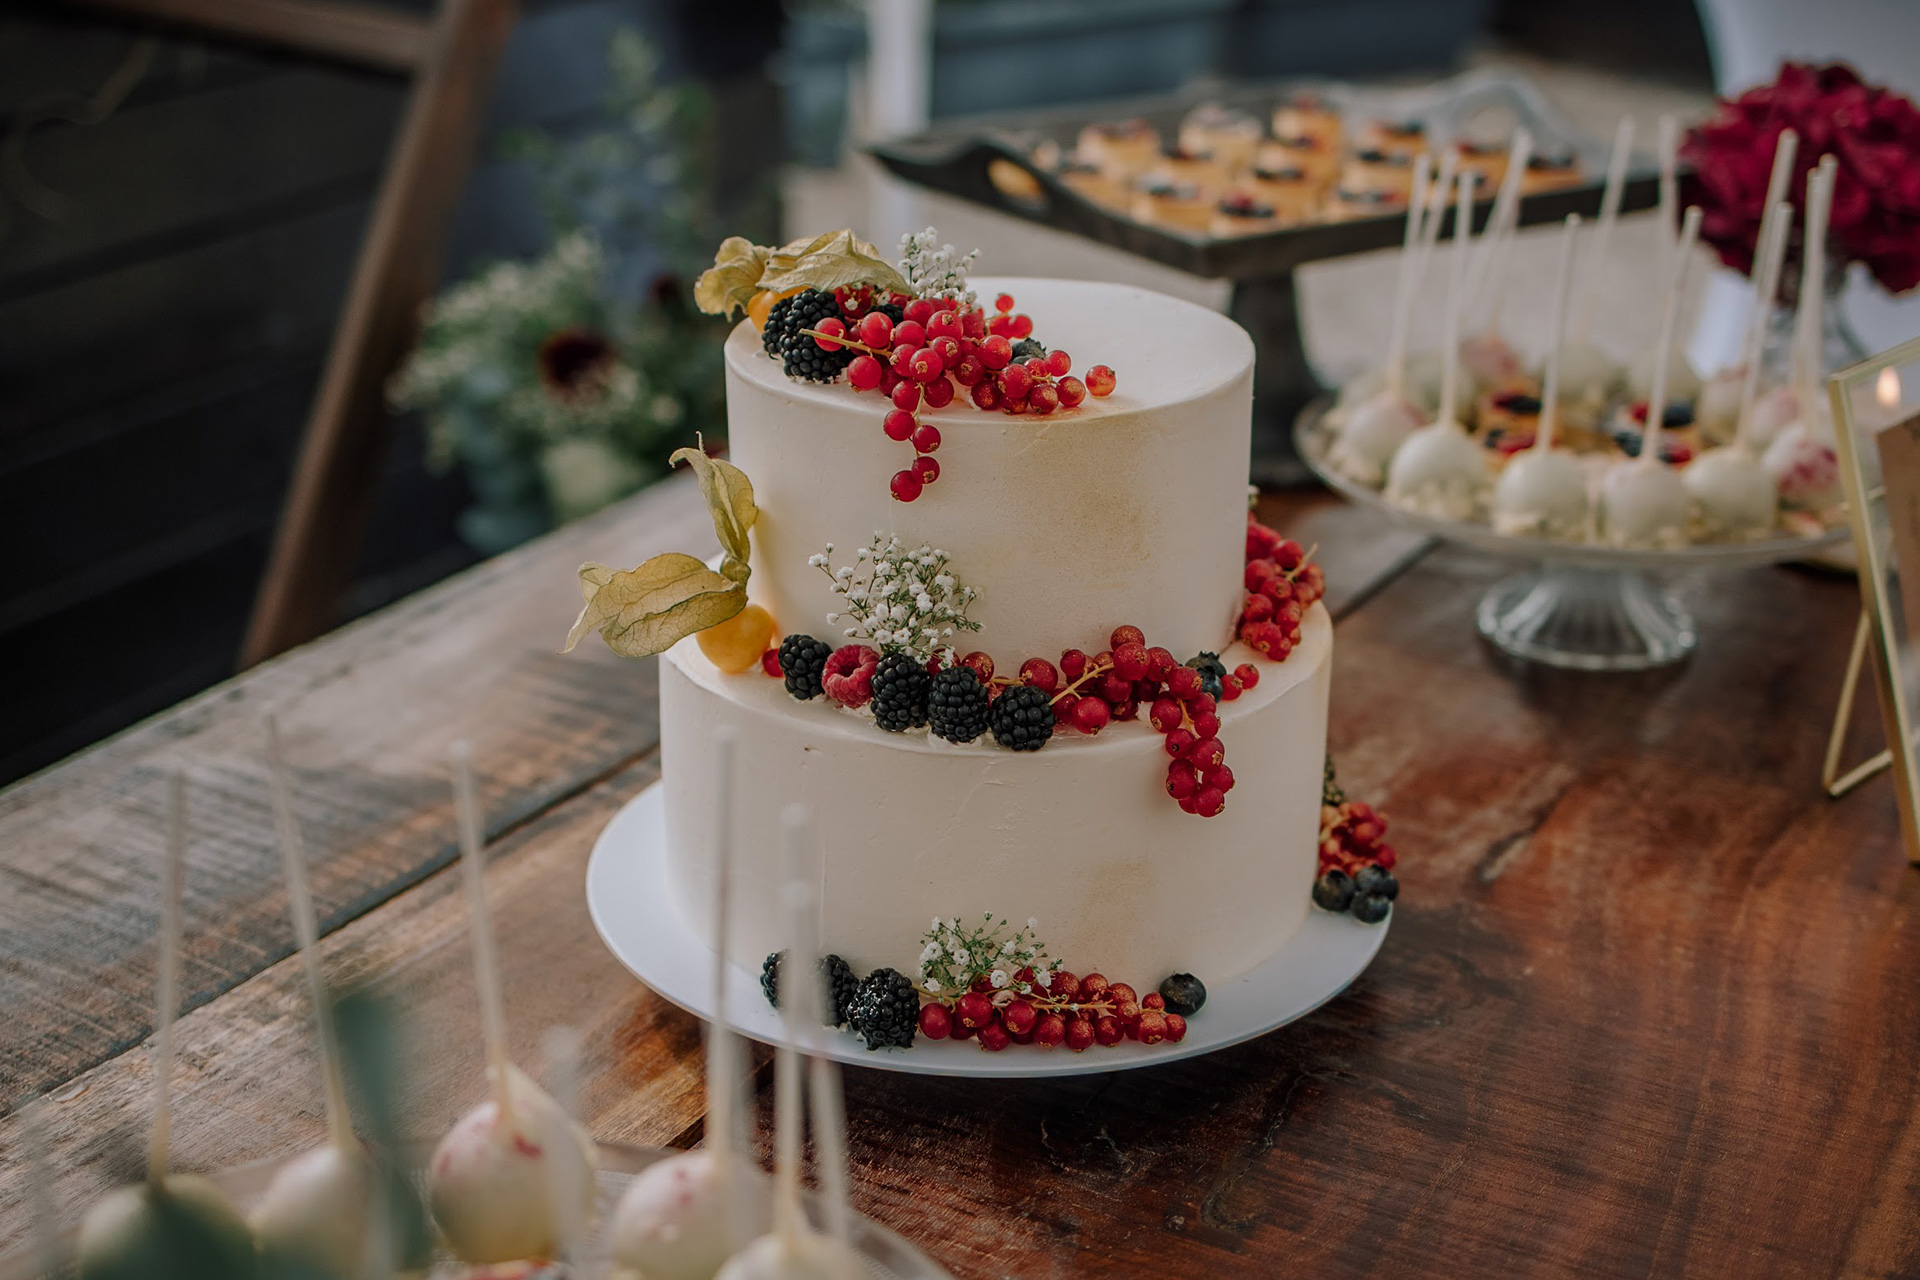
[1650, 1005]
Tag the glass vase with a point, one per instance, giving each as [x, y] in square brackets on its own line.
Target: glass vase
[1840, 346]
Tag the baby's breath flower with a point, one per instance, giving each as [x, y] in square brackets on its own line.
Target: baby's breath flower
[901, 600]
[999, 978]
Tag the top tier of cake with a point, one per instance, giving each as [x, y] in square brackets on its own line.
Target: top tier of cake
[1128, 509]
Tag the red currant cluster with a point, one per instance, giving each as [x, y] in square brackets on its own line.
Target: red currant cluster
[1076, 1012]
[1281, 585]
[937, 348]
[1352, 836]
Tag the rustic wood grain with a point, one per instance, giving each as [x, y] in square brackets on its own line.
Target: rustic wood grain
[359, 34]
[368, 717]
[248, 1087]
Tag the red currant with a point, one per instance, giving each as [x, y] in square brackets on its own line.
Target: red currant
[876, 329]
[1022, 327]
[1043, 399]
[1261, 541]
[982, 663]
[986, 394]
[1230, 687]
[1072, 391]
[906, 395]
[1003, 303]
[921, 310]
[944, 324]
[927, 469]
[1073, 664]
[770, 662]
[1247, 674]
[994, 1037]
[864, 373]
[1219, 777]
[1040, 673]
[1183, 682]
[1209, 801]
[1080, 1035]
[1128, 634]
[1165, 715]
[1152, 1028]
[1106, 1031]
[948, 349]
[900, 424]
[1090, 715]
[905, 486]
[925, 365]
[974, 323]
[939, 393]
[909, 334]
[996, 352]
[968, 370]
[1050, 1030]
[1001, 326]
[926, 438]
[1159, 663]
[1258, 608]
[973, 1010]
[1200, 704]
[1100, 380]
[1015, 382]
[1176, 1028]
[1206, 754]
[1130, 660]
[1020, 1016]
[831, 327]
[1288, 555]
[1115, 689]
[1182, 781]
[1059, 363]
[935, 1022]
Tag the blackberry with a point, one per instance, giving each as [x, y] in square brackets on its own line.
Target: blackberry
[886, 1012]
[1212, 672]
[802, 661]
[892, 311]
[1334, 891]
[957, 705]
[1027, 348]
[1022, 718]
[900, 688]
[841, 984]
[1184, 994]
[800, 356]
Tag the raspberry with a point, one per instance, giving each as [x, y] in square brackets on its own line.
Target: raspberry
[1247, 674]
[994, 1037]
[927, 469]
[906, 394]
[939, 393]
[1090, 715]
[1040, 673]
[770, 662]
[1100, 380]
[899, 424]
[802, 661]
[926, 438]
[1080, 1035]
[848, 675]
[935, 1022]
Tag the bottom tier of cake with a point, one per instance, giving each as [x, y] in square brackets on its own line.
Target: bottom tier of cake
[1080, 834]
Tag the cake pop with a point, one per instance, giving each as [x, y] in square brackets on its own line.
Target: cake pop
[171, 1226]
[1587, 373]
[1716, 411]
[489, 1182]
[1726, 399]
[1371, 433]
[1682, 381]
[1643, 503]
[1439, 470]
[684, 1216]
[1543, 490]
[793, 1251]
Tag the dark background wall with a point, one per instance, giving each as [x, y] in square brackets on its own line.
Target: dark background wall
[169, 279]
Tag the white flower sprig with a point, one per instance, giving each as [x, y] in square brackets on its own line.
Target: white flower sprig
[935, 272]
[953, 955]
[900, 600]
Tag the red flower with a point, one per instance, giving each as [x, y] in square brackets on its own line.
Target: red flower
[1872, 132]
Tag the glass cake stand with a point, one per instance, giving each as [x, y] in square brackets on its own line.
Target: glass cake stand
[1580, 606]
[883, 1255]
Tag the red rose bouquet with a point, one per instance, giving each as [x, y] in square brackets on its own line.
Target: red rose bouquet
[1873, 132]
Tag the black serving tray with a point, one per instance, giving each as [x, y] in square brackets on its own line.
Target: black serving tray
[959, 158]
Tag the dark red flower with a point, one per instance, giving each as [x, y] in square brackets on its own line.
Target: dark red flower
[1873, 134]
[574, 362]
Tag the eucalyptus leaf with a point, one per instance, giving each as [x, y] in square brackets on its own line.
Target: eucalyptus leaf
[730, 283]
[647, 610]
[729, 497]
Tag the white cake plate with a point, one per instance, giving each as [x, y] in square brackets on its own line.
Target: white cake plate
[627, 897]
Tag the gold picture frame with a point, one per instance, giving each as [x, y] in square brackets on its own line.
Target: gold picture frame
[1877, 442]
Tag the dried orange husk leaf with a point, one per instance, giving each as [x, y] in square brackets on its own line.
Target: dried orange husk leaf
[647, 610]
[729, 496]
[730, 283]
[829, 262]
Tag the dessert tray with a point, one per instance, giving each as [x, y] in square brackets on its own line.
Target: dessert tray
[628, 899]
[1584, 606]
[885, 1255]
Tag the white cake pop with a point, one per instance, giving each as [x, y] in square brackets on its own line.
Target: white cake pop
[1804, 469]
[171, 1225]
[1587, 376]
[492, 1178]
[1643, 502]
[1373, 429]
[1773, 411]
[1683, 384]
[684, 1216]
[1801, 458]
[317, 1214]
[805, 1256]
[1716, 411]
[1440, 471]
[1490, 360]
[1543, 490]
[1733, 496]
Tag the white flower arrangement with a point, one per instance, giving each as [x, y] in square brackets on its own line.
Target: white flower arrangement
[935, 272]
[900, 600]
[955, 955]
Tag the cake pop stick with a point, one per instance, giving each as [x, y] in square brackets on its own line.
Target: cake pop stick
[1785, 148]
[825, 1094]
[1669, 178]
[486, 957]
[1775, 228]
[797, 900]
[723, 1075]
[1813, 280]
[1487, 268]
[1669, 320]
[562, 1046]
[1595, 261]
[1801, 458]
[171, 1226]
[1409, 279]
[1562, 287]
[1544, 491]
[1456, 287]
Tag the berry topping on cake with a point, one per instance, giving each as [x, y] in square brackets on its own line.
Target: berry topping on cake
[1371, 908]
[886, 1011]
[801, 356]
[1333, 890]
[848, 675]
[957, 704]
[1184, 994]
[1022, 718]
[901, 687]
[803, 661]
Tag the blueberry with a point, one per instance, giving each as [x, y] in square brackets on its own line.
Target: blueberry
[1334, 890]
[1372, 879]
[1371, 908]
[1184, 994]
